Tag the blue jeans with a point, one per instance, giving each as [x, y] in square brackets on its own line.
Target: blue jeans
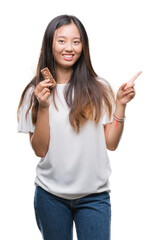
[55, 216]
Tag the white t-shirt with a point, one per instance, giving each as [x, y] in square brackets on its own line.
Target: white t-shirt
[76, 164]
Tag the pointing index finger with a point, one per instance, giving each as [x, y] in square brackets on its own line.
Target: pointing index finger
[131, 81]
[135, 77]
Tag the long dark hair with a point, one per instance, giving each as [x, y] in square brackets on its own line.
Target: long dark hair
[89, 93]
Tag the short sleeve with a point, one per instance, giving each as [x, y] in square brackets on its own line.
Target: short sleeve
[105, 118]
[25, 124]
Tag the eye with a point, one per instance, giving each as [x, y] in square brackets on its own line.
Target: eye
[76, 42]
[61, 41]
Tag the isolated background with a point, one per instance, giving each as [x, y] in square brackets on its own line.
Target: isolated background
[124, 39]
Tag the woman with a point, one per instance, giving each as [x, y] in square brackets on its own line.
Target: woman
[71, 126]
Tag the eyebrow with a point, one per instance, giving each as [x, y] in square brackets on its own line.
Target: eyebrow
[66, 37]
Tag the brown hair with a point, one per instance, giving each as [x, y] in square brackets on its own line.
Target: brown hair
[89, 93]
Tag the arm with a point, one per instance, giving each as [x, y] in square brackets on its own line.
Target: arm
[41, 137]
[112, 132]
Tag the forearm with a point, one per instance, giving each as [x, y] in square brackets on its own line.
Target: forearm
[116, 129]
[41, 137]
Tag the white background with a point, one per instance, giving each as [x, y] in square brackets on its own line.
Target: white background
[123, 40]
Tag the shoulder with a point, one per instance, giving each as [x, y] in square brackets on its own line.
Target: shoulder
[103, 81]
[29, 93]
[27, 96]
[108, 88]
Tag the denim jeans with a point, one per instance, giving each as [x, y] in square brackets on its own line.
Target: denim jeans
[55, 216]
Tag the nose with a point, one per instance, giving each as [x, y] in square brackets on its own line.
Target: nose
[68, 47]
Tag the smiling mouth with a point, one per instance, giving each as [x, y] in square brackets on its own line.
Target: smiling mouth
[68, 57]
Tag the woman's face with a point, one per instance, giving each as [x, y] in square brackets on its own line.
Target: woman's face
[67, 46]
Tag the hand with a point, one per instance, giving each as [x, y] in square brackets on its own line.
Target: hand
[126, 92]
[42, 93]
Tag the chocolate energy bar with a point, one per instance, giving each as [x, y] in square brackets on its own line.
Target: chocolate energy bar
[47, 75]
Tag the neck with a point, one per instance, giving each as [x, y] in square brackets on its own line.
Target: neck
[63, 75]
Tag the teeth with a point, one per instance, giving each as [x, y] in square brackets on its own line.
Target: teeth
[68, 56]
